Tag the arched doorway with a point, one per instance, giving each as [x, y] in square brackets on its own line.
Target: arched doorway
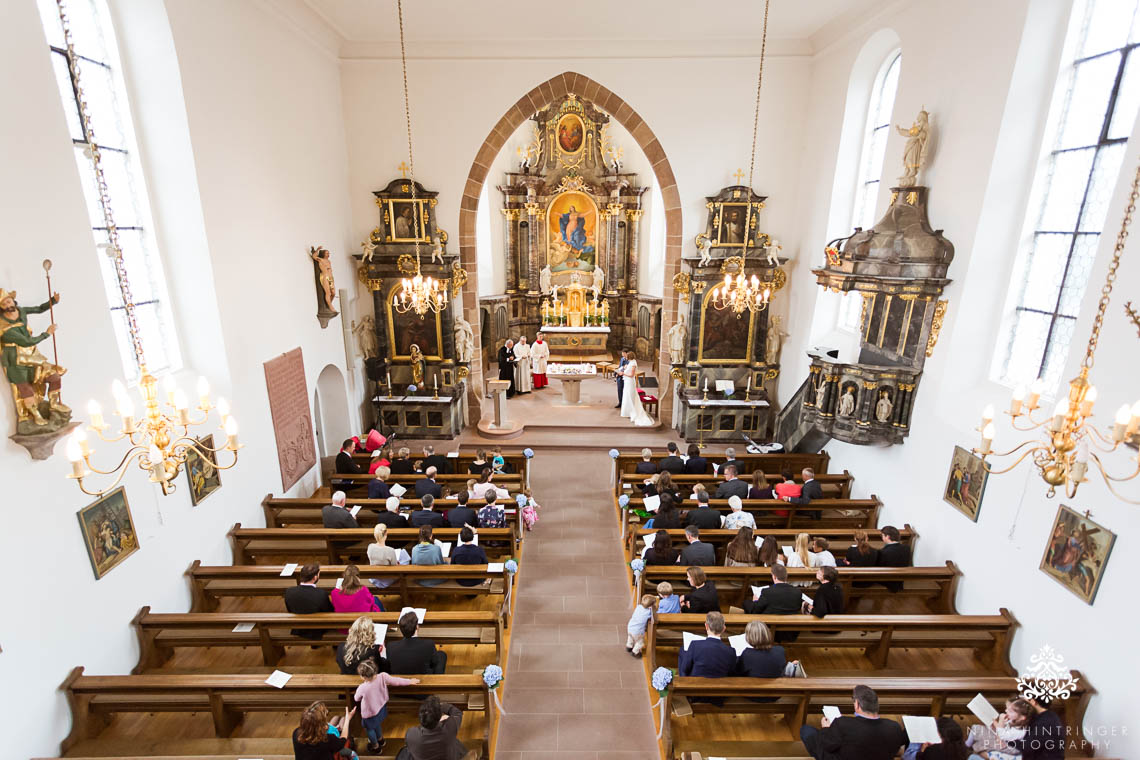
[330, 410]
[538, 98]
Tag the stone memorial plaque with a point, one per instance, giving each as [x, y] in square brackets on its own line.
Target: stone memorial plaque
[292, 418]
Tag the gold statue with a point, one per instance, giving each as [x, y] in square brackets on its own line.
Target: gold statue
[35, 381]
[325, 276]
[914, 154]
[417, 359]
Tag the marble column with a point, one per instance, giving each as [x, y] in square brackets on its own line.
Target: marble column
[511, 240]
[633, 223]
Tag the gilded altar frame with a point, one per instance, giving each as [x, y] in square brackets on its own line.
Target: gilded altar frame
[742, 207]
[746, 359]
[391, 325]
[422, 207]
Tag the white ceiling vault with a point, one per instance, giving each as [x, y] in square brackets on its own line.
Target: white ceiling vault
[588, 28]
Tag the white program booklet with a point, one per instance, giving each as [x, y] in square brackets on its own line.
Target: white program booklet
[921, 729]
[420, 612]
[339, 581]
[688, 638]
[807, 599]
[983, 710]
[403, 557]
[397, 490]
[648, 539]
[831, 712]
[243, 627]
[787, 551]
[453, 455]
[738, 643]
[495, 567]
[757, 590]
[716, 468]
[288, 569]
[381, 631]
[278, 679]
[652, 503]
[355, 510]
[444, 547]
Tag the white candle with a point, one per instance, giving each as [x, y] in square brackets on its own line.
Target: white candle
[1016, 401]
[1034, 393]
[706, 384]
[389, 376]
[987, 415]
[435, 382]
[203, 392]
[1088, 401]
[1119, 430]
[96, 413]
[748, 385]
[987, 438]
[1059, 413]
[232, 434]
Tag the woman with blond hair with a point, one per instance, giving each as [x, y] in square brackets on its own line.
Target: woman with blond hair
[318, 738]
[801, 556]
[646, 465]
[360, 645]
[352, 596]
[381, 555]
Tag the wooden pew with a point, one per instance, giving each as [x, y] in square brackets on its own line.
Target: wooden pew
[227, 697]
[210, 583]
[763, 511]
[283, 511]
[514, 458]
[988, 636]
[797, 698]
[772, 464]
[834, 485]
[160, 633]
[840, 539]
[512, 483]
[338, 544]
[936, 586]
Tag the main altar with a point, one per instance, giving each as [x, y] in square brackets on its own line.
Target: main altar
[576, 327]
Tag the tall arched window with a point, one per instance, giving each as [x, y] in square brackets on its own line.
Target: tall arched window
[871, 167]
[103, 89]
[1094, 106]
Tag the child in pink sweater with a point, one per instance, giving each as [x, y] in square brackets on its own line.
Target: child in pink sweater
[373, 698]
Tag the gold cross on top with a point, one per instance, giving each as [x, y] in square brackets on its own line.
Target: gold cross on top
[739, 175]
[403, 169]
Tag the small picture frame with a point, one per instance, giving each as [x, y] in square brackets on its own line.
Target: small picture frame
[202, 473]
[1077, 553]
[108, 531]
[966, 483]
[408, 221]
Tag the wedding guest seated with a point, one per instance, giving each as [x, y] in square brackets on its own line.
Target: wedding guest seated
[435, 737]
[667, 602]
[468, 552]
[402, 464]
[861, 553]
[696, 464]
[893, 554]
[486, 485]
[763, 658]
[809, 491]
[427, 485]
[660, 484]
[703, 516]
[382, 555]
[646, 466]
[306, 599]
[425, 515]
[352, 596]
[345, 465]
[820, 554]
[380, 458]
[667, 515]
[478, 463]
[760, 488]
[801, 555]
[499, 462]
[731, 461]
[741, 550]
[711, 657]
[828, 599]
[461, 515]
[360, 645]
[672, 461]
[491, 515]
[780, 598]
[336, 515]
[993, 741]
[427, 553]
[319, 738]
[1044, 734]
[390, 515]
[788, 488]
[769, 553]
[864, 736]
[952, 746]
[703, 597]
[412, 655]
[378, 487]
[698, 489]
[697, 552]
[732, 485]
[737, 517]
[662, 551]
[441, 463]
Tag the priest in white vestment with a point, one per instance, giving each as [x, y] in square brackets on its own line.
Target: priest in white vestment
[523, 383]
[539, 355]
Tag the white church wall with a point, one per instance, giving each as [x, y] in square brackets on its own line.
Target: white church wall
[988, 99]
[267, 178]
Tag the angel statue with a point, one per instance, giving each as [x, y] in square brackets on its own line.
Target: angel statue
[365, 332]
[914, 154]
[599, 282]
[544, 280]
[773, 341]
[369, 249]
[436, 250]
[771, 252]
[704, 245]
[464, 340]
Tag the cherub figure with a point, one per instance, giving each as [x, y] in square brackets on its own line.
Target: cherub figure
[704, 245]
[369, 249]
[436, 251]
[771, 252]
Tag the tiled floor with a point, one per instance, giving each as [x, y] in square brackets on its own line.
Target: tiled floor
[573, 691]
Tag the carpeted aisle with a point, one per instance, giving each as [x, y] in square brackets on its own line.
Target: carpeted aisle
[572, 691]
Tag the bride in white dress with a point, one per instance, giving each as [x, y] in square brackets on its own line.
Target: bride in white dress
[630, 401]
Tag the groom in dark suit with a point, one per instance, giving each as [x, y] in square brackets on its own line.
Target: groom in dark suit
[507, 366]
[618, 376]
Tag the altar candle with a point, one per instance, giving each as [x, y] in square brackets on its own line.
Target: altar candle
[389, 375]
[748, 385]
[706, 384]
[435, 383]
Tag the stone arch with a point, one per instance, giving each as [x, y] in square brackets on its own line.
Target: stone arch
[330, 409]
[526, 106]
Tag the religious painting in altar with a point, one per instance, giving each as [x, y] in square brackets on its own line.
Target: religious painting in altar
[571, 133]
[202, 472]
[408, 222]
[726, 337]
[108, 531]
[966, 483]
[572, 224]
[408, 328]
[1077, 553]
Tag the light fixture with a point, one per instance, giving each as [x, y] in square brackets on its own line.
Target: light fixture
[417, 293]
[159, 440]
[1069, 441]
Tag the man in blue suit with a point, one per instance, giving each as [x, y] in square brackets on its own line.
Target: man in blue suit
[711, 657]
[618, 376]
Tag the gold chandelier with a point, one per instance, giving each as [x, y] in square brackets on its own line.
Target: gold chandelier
[160, 441]
[1069, 441]
[417, 293]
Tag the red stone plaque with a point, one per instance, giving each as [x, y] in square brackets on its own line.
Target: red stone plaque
[292, 418]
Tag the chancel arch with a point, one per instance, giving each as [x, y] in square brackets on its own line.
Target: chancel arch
[550, 92]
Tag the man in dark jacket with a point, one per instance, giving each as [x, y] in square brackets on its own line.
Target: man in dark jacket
[413, 655]
[732, 485]
[344, 462]
[468, 553]
[812, 490]
[305, 599]
[730, 460]
[390, 515]
[462, 515]
[697, 552]
[673, 463]
[434, 738]
[441, 463]
[703, 516]
[1044, 735]
[427, 484]
[336, 515]
[893, 554]
[864, 736]
[425, 515]
[781, 598]
[710, 657]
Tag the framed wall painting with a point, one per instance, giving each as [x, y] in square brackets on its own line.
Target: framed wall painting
[408, 220]
[409, 328]
[1077, 553]
[966, 483]
[725, 337]
[202, 472]
[108, 531]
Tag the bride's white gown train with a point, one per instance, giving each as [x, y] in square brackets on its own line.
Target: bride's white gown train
[630, 402]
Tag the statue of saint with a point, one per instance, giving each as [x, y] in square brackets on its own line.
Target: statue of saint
[324, 273]
[678, 340]
[35, 381]
[544, 280]
[914, 154]
[847, 403]
[773, 341]
[820, 392]
[464, 340]
[599, 282]
[365, 332]
[418, 365]
[884, 407]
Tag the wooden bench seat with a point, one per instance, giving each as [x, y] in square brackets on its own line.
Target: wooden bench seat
[840, 539]
[988, 636]
[338, 544]
[837, 513]
[281, 512]
[799, 698]
[513, 458]
[771, 464]
[935, 586]
[160, 633]
[354, 483]
[208, 583]
[227, 697]
[834, 485]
